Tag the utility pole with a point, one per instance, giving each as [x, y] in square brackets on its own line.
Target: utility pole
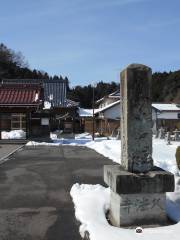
[93, 105]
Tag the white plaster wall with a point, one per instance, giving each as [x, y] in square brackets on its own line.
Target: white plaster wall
[106, 102]
[168, 115]
[113, 112]
[164, 115]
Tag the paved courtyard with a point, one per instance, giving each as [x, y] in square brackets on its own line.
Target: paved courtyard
[5, 149]
[34, 188]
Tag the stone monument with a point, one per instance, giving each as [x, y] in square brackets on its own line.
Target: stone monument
[138, 188]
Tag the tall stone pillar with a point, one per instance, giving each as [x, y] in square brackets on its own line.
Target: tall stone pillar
[136, 120]
[137, 186]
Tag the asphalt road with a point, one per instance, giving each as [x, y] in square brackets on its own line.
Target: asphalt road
[5, 149]
[35, 203]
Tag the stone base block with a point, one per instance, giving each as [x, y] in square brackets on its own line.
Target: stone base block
[123, 182]
[137, 209]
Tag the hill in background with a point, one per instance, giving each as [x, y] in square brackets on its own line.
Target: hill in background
[165, 86]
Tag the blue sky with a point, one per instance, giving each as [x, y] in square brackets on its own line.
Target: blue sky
[93, 40]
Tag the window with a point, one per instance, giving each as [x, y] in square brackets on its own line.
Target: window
[18, 121]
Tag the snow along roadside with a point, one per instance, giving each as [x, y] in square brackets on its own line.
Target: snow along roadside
[91, 203]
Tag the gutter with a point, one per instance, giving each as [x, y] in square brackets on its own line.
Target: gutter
[6, 157]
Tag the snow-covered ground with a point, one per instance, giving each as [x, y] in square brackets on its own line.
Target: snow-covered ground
[92, 201]
[79, 140]
[163, 154]
[15, 134]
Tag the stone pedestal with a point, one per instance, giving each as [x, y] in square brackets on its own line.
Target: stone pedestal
[137, 199]
[137, 209]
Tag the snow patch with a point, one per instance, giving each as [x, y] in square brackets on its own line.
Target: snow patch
[91, 204]
[163, 154]
[47, 105]
[14, 134]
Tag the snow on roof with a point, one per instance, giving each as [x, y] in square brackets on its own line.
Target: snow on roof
[115, 94]
[160, 106]
[85, 112]
[70, 103]
[166, 106]
[108, 106]
[100, 100]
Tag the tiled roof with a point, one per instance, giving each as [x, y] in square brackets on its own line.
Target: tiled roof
[19, 94]
[54, 90]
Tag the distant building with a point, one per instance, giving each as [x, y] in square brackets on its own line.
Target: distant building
[86, 120]
[18, 104]
[41, 106]
[165, 115]
[108, 114]
[106, 100]
[108, 118]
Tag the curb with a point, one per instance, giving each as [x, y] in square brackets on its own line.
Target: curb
[5, 158]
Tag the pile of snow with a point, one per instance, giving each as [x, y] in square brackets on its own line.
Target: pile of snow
[47, 105]
[163, 154]
[61, 141]
[173, 202]
[91, 204]
[15, 134]
[108, 148]
[83, 136]
[56, 143]
[79, 139]
[55, 135]
[33, 143]
[85, 112]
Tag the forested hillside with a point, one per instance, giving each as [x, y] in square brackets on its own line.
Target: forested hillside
[165, 86]
[13, 65]
[84, 94]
